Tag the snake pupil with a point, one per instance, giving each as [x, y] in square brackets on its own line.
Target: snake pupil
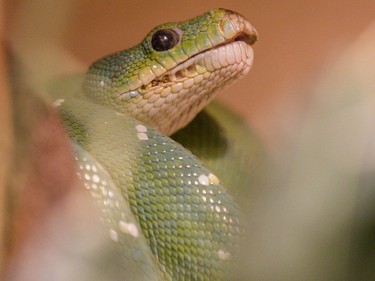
[164, 39]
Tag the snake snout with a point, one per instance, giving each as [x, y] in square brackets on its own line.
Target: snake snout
[236, 27]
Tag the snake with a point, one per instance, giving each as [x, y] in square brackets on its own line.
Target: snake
[166, 212]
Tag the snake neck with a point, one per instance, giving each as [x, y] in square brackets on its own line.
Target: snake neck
[176, 70]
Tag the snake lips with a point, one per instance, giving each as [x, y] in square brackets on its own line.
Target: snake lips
[176, 70]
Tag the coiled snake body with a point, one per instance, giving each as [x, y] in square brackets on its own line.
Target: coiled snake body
[170, 214]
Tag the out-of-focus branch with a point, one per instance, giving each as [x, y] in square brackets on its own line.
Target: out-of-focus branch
[6, 136]
[35, 37]
[37, 179]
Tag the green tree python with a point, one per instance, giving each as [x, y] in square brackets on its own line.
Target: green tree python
[170, 215]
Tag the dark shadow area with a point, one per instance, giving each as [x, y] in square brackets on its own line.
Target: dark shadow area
[204, 137]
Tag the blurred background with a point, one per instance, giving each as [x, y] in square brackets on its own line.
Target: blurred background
[309, 97]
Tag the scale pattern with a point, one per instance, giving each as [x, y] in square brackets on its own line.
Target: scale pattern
[189, 219]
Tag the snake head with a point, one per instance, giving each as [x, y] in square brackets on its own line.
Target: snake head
[174, 72]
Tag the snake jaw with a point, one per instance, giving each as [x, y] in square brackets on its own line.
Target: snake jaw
[184, 90]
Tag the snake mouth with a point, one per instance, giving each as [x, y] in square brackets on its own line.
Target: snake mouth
[236, 51]
[247, 38]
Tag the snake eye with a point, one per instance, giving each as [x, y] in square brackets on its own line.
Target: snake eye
[164, 39]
